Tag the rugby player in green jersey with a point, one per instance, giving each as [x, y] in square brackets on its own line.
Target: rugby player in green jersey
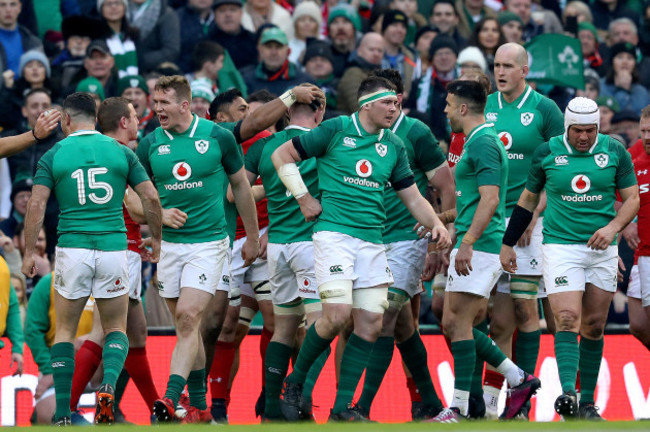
[481, 176]
[88, 173]
[357, 155]
[188, 158]
[290, 251]
[406, 254]
[524, 120]
[581, 171]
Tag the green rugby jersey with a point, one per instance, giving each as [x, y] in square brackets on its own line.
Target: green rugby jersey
[424, 154]
[580, 186]
[353, 169]
[88, 173]
[189, 170]
[484, 162]
[523, 125]
[286, 222]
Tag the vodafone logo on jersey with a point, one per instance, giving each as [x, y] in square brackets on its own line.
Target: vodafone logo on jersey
[506, 139]
[182, 171]
[580, 184]
[364, 168]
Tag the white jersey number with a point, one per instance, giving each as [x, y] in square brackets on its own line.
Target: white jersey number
[92, 184]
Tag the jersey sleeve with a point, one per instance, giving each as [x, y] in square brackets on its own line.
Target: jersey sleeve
[316, 142]
[625, 176]
[254, 155]
[487, 163]
[401, 173]
[14, 328]
[37, 324]
[428, 154]
[536, 175]
[137, 174]
[44, 169]
[553, 119]
[231, 158]
[143, 153]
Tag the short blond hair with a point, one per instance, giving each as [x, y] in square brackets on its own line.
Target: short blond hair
[178, 83]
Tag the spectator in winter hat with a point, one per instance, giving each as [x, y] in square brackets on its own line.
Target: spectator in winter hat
[343, 25]
[307, 23]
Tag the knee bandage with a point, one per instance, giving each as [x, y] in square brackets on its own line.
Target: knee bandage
[262, 290]
[336, 291]
[371, 299]
[234, 297]
[397, 298]
[524, 287]
[246, 316]
[295, 307]
[312, 305]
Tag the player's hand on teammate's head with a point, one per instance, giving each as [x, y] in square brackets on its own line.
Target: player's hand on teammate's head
[310, 207]
[173, 218]
[250, 250]
[307, 93]
[46, 123]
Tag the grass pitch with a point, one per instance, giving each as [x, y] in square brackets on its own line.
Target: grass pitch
[406, 427]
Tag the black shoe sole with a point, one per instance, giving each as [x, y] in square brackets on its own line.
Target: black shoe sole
[566, 407]
[161, 412]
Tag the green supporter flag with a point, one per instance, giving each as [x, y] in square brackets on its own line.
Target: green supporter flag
[229, 76]
[556, 59]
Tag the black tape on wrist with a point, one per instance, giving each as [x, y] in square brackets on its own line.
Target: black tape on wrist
[519, 221]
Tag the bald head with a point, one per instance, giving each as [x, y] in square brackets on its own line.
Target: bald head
[513, 52]
[371, 48]
[510, 70]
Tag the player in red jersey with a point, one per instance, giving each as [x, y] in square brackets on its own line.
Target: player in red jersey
[637, 235]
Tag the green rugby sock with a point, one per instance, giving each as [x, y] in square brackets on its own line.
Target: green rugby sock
[527, 350]
[479, 365]
[354, 361]
[312, 347]
[116, 348]
[567, 354]
[414, 355]
[464, 353]
[197, 388]
[378, 363]
[62, 355]
[175, 387]
[487, 349]
[591, 355]
[314, 373]
[276, 365]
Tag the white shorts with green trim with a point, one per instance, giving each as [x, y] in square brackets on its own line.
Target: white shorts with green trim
[191, 265]
[135, 274]
[82, 272]
[339, 256]
[406, 261]
[568, 267]
[480, 281]
[291, 271]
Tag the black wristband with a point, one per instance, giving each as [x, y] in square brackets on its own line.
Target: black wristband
[519, 221]
[35, 137]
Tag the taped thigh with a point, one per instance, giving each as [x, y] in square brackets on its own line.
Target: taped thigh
[371, 299]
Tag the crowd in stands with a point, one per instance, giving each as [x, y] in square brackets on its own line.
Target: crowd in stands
[52, 48]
